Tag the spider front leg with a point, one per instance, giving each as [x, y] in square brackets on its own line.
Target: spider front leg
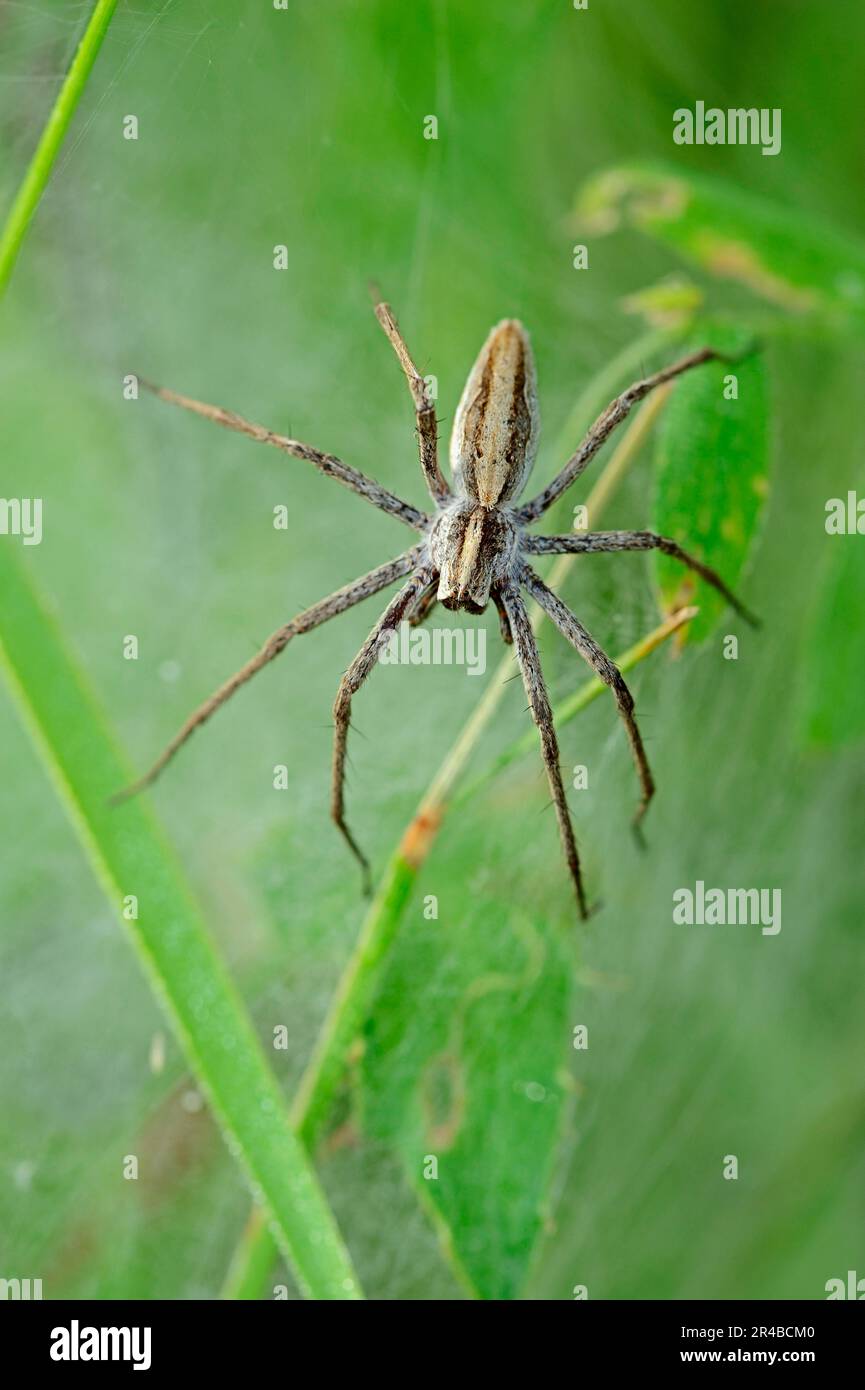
[399, 608]
[571, 628]
[617, 411]
[425, 412]
[539, 704]
[328, 464]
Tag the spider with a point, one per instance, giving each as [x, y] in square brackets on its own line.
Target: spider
[474, 547]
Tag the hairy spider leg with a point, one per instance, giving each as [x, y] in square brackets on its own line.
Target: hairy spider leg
[539, 704]
[329, 464]
[313, 617]
[603, 542]
[582, 641]
[357, 673]
[609, 419]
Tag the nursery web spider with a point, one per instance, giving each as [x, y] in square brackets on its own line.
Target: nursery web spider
[473, 547]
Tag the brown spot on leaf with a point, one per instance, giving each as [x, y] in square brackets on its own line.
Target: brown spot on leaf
[443, 1097]
[417, 840]
[735, 261]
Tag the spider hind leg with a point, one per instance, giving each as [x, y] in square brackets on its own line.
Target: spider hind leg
[583, 642]
[539, 704]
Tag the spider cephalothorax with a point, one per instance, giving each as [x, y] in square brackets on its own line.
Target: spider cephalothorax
[473, 548]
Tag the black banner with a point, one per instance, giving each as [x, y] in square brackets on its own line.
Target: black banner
[69, 1338]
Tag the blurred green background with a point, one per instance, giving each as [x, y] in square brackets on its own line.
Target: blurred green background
[305, 128]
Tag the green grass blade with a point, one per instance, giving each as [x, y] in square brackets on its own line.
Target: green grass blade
[255, 1253]
[39, 170]
[130, 858]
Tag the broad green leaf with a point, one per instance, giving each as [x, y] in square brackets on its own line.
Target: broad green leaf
[711, 475]
[832, 710]
[464, 1075]
[779, 253]
[131, 860]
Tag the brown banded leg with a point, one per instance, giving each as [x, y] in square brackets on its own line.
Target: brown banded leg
[609, 419]
[539, 704]
[571, 628]
[606, 542]
[313, 617]
[425, 413]
[398, 609]
[329, 464]
[424, 606]
[504, 621]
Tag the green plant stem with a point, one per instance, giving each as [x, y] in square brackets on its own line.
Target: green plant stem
[256, 1252]
[356, 991]
[145, 887]
[134, 865]
[42, 162]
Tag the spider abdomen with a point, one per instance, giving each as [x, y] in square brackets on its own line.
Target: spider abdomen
[496, 426]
